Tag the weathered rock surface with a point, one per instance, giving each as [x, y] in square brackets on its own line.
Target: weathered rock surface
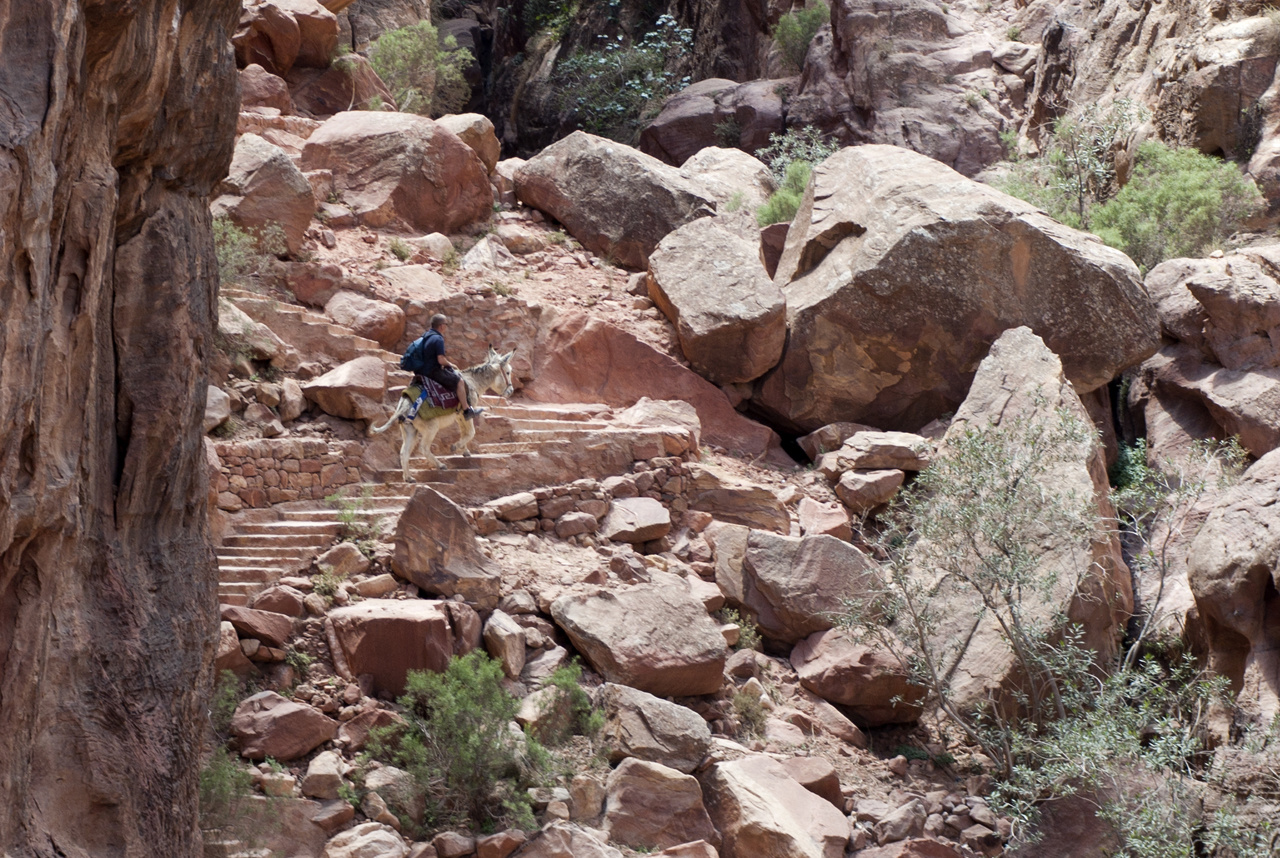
[615, 200]
[870, 451]
[380, 321]
[389, 637]
[760, 810]
[107, 285]
[504, 640]
[583, 359]
[268, 725]
[564, 840]
[899, 273]
[353, 390]
[436, 548]
[714, 490]
[654, 638]
[265, 188]
[697, 117]
[636, 520]
[367, 840]
[728, 314]
[1232, 572]
[733, 178]
[476, 131]
[277, 34]
[869, 682]
[350, 83]
[261, 88]
[796, 586]
[652, 806]
[401, 168]
[1022, 379]
[863, 491]
[640, 725]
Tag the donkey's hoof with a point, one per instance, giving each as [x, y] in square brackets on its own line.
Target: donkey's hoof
[409, 479]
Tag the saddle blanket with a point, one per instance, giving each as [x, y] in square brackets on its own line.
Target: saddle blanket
[438, 396]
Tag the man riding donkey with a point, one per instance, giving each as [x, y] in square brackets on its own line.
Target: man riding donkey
[426, 358]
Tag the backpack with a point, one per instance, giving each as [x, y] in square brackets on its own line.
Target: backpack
[414, 359]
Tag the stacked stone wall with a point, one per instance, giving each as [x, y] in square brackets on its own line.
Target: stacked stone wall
[257, 474]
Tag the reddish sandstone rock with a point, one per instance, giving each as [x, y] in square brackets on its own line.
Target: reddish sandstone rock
[817, 519]
[380, 321]
[587, 360]
[229, 656]
[636, 520]
[476, 130]
[690, 119]
[401, 168]
[263, 189]
[641, 725]
[350, 83]
[871, 683]
[389, 637]
[436, 548]
[655, 638]
[268, 725]
[260, 88]
[651, 806]
[353, 390]
[270, 628]
[863, 491]
[818, 776]
[615, 200]
[277, 34]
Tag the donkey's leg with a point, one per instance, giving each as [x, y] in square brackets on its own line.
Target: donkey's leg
[466, 431]
[429, 430]
[408, 439]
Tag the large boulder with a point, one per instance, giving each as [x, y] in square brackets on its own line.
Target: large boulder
[615, 200]
[380, 321]
[736, 180]
[761, 810]
[870, 682]
[1234, 575]
[401, 168]
[367, 840]
[476, 130]
[260, 88]
[1022, 382]
[277, 34]
[350, 83]
[650, 806]
[244, 337]
[899, 273]
[436, 547]
[640, 725]
[655, 638]
[730, 498]
[563, 840]
[584, 359]
[268, 725]
[728, 314]
[636, 520]
[352, 390]
[387, 638]
[796, 586]
[714, 112]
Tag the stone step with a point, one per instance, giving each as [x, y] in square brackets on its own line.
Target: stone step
[265, 540]
[329, 515]
[290, 528]
[551, 411]
[248, 574]
[234, 556]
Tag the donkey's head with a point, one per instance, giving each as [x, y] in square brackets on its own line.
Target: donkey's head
[502, 381]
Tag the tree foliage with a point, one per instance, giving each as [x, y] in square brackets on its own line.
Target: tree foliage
[424, 72]
[796, 30]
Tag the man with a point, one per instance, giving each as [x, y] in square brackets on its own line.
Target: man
[440, 369]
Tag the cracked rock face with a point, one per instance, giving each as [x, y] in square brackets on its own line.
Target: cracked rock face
[117, 121]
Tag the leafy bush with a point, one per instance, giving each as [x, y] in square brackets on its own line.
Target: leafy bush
[750, 714]
[748, 631]
[242, 253]
[400, 249]
[424, 73]
[796, 29]
[460, 744]
[612, 88]
[1177, 203]
[569, 712]
[795, 144]
[550, 15]
[783, 203]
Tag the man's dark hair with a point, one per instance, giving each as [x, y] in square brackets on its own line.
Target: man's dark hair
[437, 320]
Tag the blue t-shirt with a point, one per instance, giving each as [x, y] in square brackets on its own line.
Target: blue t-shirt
[432, 349]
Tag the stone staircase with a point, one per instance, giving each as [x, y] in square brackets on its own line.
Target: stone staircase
[518, 446]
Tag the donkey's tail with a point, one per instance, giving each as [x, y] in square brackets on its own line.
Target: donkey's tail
[402, 408]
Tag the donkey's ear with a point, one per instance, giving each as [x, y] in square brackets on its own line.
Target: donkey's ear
[507, 357]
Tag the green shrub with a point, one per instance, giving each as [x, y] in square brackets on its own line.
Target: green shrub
[227, 693]
[748, 632]
[399, 249]
[424, 72]
[569, 712]
[796, 29]
[612, 89]
[751, 716]
[225, 788]
[553, 16]
[242, 253]
[783, 203]
[459, 746]
[1177, 203]
[795, 144]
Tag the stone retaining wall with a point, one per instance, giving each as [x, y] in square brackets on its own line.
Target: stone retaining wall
[257, 474]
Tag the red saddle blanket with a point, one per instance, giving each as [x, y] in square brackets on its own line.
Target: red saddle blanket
[438, 396]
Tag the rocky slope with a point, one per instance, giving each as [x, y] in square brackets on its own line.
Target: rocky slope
[117, 124]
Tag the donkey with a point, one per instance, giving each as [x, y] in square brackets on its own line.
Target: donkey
[494, 374]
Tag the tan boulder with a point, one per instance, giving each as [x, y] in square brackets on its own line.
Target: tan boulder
[640, 725]
[818, 776]
[730, 499]
[268, 725]
[795, 586]
[1022, 380]
[267, 36]
[650, 806]
[261, 88]
[389, 637]
[436, 548]
[863, 491]
[875, 450]
[353, 390]
[343, 560]
[228, 655]
[899, 273]
[728, 314]
[615, 200]
[504, 640]
[916, 847]
[349, 83]
[829, 438]
[271, 628]
[731, 176]
[655, 638]
[565, 840]
[870, 682]
[324, 776]
[636, 520]
[243, 336]
[699, 116]
[380, 321]
[817, 519]
[366, 840]
[401, 168]
[761, 810]
[584, 359]
[1233, 574]
[217, 408]
[694, 849]
[476, 130]
[281, 599]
